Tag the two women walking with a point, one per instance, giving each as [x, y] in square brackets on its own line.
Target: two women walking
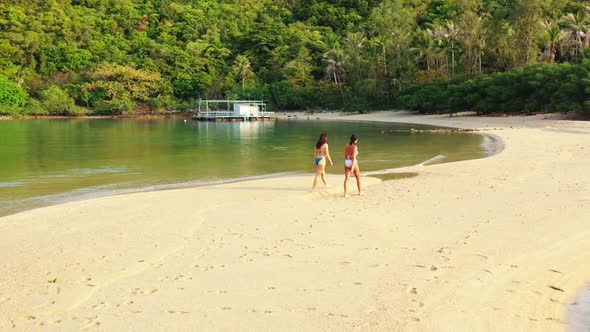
[321, 154]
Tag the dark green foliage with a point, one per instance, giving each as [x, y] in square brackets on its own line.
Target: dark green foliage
[430, 97]
[114, 107]
[437, 11]
[535, 88]
[336, 54]
[356, 105]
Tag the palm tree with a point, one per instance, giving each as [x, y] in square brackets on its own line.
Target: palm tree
[335, 67]
[378, 44]
[446, 37]
[452, 33]
[335, 70]
[577, 31]
[426, 51]
[333, 41]
[242, 68]
[479, 46]
[438, 51]
[356, 42]
[552, 36]
[472, 38]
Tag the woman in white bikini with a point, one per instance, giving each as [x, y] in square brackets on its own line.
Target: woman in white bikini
[321, 153]
[351, 164]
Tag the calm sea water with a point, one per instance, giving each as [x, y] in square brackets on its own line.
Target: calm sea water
[44, 162]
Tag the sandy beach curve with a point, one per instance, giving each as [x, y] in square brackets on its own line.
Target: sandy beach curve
[493, 244]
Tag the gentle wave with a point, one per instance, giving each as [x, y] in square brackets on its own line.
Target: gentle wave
[12, 184]
[83, 172]
[389, 170]
[431, 160]
[492, 144]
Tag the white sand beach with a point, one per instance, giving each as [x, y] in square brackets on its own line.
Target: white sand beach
[494, 244]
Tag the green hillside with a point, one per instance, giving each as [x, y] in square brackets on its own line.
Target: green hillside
[114, 56]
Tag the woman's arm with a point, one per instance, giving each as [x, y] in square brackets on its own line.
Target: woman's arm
[328, 155]
[354, 154]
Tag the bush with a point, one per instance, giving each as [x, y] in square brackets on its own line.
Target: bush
[114, 107]
[56, 101]
[535, 88]
[328, 95]
[356, 104]
[10, 110]
[34, 107]
[11, 94]
[432, 97]
[77, 110]
[154, 103]
[284, 95]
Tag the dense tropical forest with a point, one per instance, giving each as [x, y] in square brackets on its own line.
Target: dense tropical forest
[115, 56]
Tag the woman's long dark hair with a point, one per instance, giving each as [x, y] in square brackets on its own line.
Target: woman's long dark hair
[321, 141]
[353, 139]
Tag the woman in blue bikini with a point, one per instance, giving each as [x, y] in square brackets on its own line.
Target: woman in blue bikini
[320, 155]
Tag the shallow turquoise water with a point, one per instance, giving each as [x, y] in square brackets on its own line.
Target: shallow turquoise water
[47, 161]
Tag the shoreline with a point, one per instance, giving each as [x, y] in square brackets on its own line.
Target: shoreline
[491, 149]
[492, 145]
[494, 243]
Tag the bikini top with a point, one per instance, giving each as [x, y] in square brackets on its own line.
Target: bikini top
[318, 152]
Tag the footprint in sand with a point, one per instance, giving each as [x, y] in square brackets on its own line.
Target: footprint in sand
[178, 312]
[420, 304]
[99, 305]
[556, 320]
[212, 267]
[139, 291]
[182, 277]
[91, 325]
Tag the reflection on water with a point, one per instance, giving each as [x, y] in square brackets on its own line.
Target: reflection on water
[51, 160]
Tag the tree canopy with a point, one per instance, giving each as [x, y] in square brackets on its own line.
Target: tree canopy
[294, 53]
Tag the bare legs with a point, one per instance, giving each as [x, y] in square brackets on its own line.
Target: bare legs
[357, 175]
[321, 172]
